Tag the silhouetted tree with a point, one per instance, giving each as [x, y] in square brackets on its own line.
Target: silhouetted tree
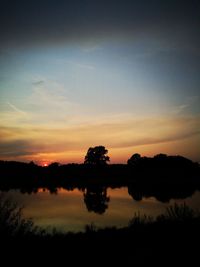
[97, 155]
[32, 164]
[53, 165]
[134, 159]
[160, 156]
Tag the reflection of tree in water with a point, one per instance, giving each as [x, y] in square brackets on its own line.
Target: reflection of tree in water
[162, 192]
[134, 193]
[96, 199]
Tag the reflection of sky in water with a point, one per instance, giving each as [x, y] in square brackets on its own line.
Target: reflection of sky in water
[67, 211]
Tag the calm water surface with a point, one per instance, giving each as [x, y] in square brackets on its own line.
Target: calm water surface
[72, 210]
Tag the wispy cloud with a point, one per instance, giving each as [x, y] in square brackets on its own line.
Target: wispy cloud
[16, 148]
[65, 141]
[91, 47]
[38, 82]
[85, 66]
[82, 65]
[13, 107]
[189, 102]
[48, 102]
[157, 140]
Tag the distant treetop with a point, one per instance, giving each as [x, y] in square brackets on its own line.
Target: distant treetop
[134, 159]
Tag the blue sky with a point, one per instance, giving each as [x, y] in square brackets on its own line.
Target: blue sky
[122, 76]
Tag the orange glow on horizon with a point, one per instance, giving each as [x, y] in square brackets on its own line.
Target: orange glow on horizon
[147, 136]
[45, 164]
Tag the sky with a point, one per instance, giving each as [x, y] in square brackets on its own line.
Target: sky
[77, 74]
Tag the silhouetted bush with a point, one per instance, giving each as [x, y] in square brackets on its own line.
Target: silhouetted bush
[139, 220]
[12, 222]
[174, 214]
[90, 228]
[178, 213]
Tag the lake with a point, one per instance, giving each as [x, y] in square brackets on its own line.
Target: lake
[72, 210]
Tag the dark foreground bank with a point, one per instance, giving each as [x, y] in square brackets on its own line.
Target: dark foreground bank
[171, 238]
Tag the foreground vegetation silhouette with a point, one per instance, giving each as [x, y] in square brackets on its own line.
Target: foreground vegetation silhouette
[171, 235]
[12, 223]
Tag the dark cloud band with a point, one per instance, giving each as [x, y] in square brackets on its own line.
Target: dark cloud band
[50, 22]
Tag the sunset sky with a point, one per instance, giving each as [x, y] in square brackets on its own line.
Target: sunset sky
[123, 74]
